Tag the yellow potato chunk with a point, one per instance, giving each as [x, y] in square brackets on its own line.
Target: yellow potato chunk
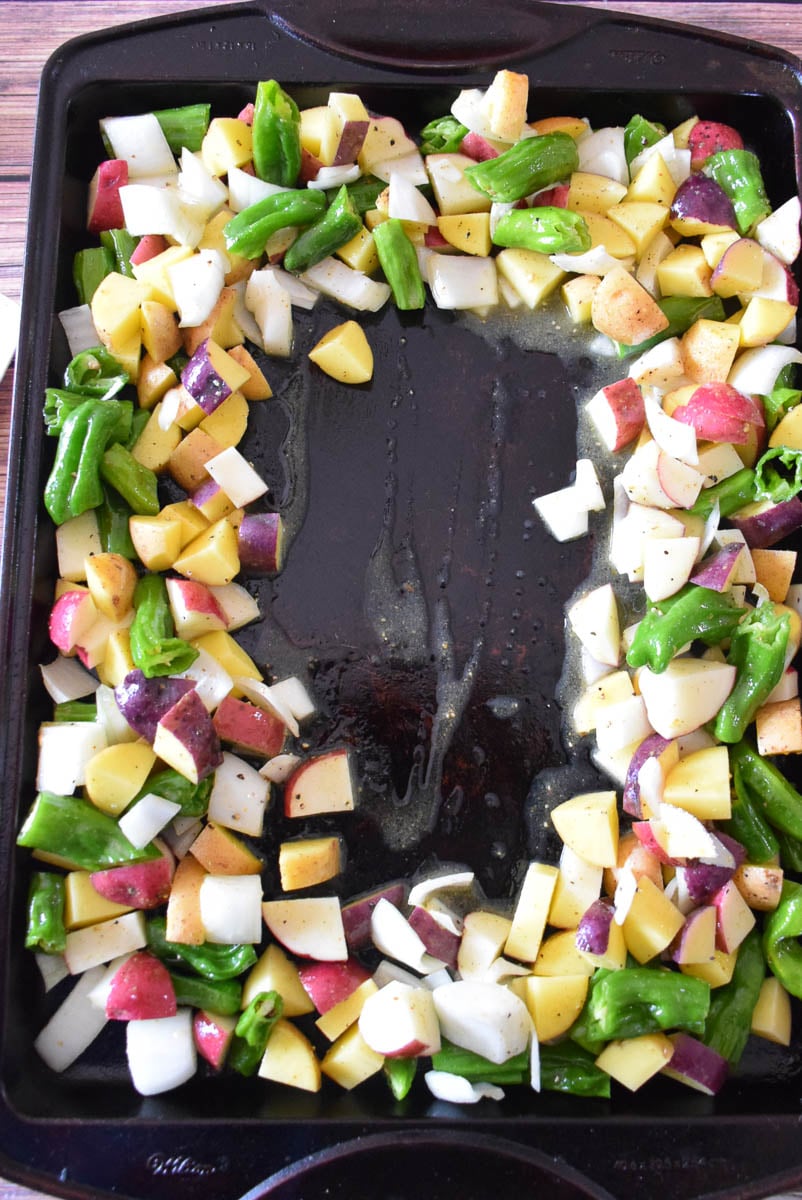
[624, 310]
[588, 823]
[212, 557]
[468, 232]
[115, 775]
[554, 1002]
[83, 905]
[633, 1061]
[228, 143]
[308, 862]
[290, 1058]
[344, 353]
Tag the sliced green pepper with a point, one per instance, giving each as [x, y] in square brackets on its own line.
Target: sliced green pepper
[248, 232]
[222, 996]
[154, 647]
[529, 166]
[253, 1032]
[364, 193]
[546, 229]
[136, 483]
[193, 797]
[778, 474]
[730, 494]
[209, 960]
[89, 268]
[73, 485]
[474, 1067]
[122, 245]
[339, 224]
[45, 930]
[694, 612]
[276, 135]
[113, 516]
[566, 1067]
[780, 939]
[95, 374]
[746, 823]
[400, 1075]
[737, 172]
[640, 133]
[184, 126]
[757, 650]
[444, 135]
[74, 830]
[730, 1019]
[400, 264]
[75, 710]
[640, 1000]
[771, 793]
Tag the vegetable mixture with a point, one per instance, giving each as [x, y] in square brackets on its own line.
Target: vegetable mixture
[668, 932]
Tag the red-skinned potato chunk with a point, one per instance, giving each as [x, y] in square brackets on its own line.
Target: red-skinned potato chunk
[708, 137]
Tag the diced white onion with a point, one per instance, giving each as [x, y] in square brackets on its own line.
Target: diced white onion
[353, 288]
[462, 282]
[65, 679]
[334, 177]
[457, 1090]
[141, 142]
[79, 328]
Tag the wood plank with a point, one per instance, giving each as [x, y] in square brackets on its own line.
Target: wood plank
[32, 29]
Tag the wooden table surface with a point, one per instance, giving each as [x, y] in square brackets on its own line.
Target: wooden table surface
[31, 29]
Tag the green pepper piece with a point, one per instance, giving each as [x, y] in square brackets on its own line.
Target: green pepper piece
[790, 850]
[75, 710]
[364, 193]
[89, 268]
[73, 485]
[193, 797]
[694, 612]
[585, 1031]
[222, 996]
[210, 960]
[253, 1032]
[400, 264]
[339, 224]
[737, 172]
[276, 135]
[639, 1000]
[566, 1067]
[778, 474]
[529, 166]
[400, 1075]
[122, 245]
[681, 311]
[95, 374]
[780, 945]
[112, 517]
[82, 835]
[154, 647]
[775, 798]
[87, 490]
[137, 484]
[729, 1021]
[757, 651]
[640, 133]
[184, 126]
[746, 823]
[547, 230]
[45, 930]
[779, 402]
[248, 232]
[730, 494]
[442, 136]
[138, 422]
[477, 1069]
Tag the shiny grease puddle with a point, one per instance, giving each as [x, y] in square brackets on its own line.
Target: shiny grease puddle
[421, 595]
